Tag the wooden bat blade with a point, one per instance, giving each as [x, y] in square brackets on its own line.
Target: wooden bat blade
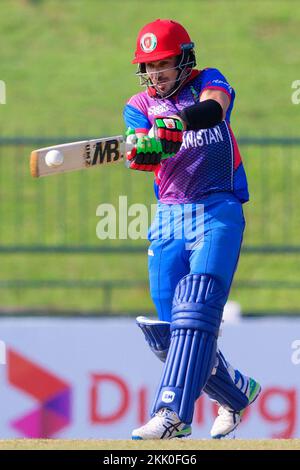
[79, 155]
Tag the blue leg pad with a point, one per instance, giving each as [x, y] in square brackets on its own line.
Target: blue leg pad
[227, 386]
[157, 334]
[196, 316]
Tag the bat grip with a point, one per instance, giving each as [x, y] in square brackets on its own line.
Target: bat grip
[129, 146]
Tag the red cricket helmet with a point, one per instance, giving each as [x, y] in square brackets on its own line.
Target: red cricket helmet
[161, 39]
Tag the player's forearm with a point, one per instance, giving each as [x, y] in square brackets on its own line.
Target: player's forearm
[202, 115]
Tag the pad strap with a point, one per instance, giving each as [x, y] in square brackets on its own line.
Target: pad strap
[228, 386]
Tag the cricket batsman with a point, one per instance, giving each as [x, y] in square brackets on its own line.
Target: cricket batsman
[181, 126]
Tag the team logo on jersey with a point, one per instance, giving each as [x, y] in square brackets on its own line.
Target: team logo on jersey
[148, 42]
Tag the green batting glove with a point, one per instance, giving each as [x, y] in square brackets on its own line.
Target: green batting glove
[146, 154]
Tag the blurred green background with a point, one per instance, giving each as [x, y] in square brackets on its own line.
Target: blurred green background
[68, 73]
[67, 64]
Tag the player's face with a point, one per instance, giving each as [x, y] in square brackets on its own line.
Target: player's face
[162, 74]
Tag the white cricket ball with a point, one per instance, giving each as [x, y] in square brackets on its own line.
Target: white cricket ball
[54, 158]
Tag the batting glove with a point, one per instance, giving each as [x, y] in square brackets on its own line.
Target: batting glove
[145, 155]
[169, 130]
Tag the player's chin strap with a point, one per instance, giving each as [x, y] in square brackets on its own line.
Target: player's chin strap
[154, 94]
[186, 61]
[182, 77]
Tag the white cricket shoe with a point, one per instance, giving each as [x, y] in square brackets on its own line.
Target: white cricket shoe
[164, 425]
[227, 420]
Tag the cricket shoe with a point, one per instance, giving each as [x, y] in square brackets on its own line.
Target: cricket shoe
[227, 420]
[164, 425]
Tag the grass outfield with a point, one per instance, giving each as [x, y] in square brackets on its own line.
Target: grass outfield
[175, 444]
[55, 211]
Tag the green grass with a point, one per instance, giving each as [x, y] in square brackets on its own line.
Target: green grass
[173, 444]
[67, 71]
[62, 210]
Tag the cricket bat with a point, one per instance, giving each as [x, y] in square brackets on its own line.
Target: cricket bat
[78, 155]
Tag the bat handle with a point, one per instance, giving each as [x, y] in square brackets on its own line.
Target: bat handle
[128, 148]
